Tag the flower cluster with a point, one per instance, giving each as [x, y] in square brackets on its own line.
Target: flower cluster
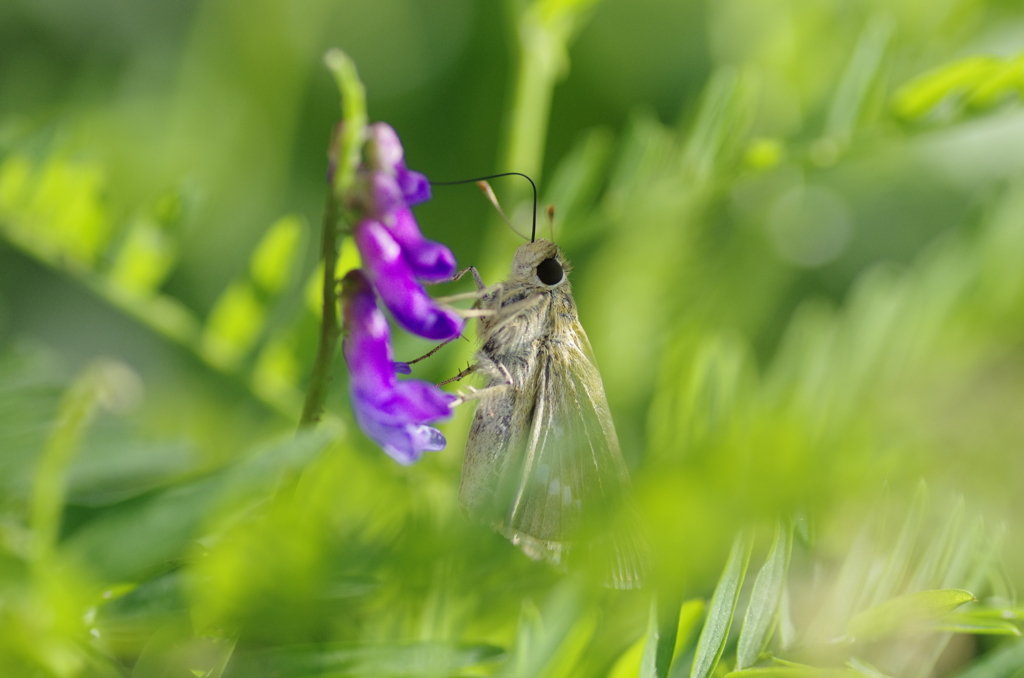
[393, 413]
[397, 260]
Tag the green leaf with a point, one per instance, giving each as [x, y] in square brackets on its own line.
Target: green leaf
[233, 326]
[986, 559]
[1003, 662]
[1003, 81]
[854, 86]
[791, 670]
[175, 651]
[899, 557]
[649, 661]
[275, 256]
[976, 624]
[160, 528]
[778, 672]
[690, 614]
[720, 121]
[551, 644]
[351, 659]
[841, 603]
[763, 611]
[113, 467]
[862, 667]
[145, 258]
[101, 383]
[787, 630]
[967, 544]
[722, 609]
[781, 668]
[628, 663]
[919, 96]
[933, 563]
[565, 661]
[998, 612]
[907, 612]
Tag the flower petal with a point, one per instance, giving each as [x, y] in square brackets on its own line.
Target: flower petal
[367, 343]
[384, 150]
[409, 444]
[385, 154]
[421, 401]
[430, 261]
[393, 278]
[387, 195]
[403, 442]
[415, 186]
[393, 414]
[426, 439]
[397, 420]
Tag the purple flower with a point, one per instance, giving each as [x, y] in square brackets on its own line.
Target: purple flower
[396, 257]
[385, 154]
[393, 413]
[387, 268]
[430, 261]
[397, 260]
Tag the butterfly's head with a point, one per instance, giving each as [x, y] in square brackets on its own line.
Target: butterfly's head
[540, 262]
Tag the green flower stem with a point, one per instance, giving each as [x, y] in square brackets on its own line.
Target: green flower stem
[545, 28]
[346, 148]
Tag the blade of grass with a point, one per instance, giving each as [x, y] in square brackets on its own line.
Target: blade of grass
[899, 559]
[958, 571]
[906, 612]
[936, 558]
[722, 609]
[862, 70]
[960, 560]
[791, 671]
[763, 610]
[1000, 663]
[99, 383]
[864, 668]
[787, 631]
[649, 660]
[690, 614]
[969, 623]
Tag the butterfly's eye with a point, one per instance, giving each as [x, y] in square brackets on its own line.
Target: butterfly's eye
[549, 271]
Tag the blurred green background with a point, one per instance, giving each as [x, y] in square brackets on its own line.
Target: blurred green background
[797, 230]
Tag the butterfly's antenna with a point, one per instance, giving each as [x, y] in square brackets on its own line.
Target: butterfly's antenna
[533, 233]
[489, 193]
[551, 221]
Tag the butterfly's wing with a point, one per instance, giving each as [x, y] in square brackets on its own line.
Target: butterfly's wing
[570, 461]
[543, 463]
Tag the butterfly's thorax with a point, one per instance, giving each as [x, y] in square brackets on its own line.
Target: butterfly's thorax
[546, 325]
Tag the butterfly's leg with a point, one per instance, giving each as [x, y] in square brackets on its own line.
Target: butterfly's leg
[476, 276]
[474, 394]
[435, 349]
[482, 289]
[461, 375]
